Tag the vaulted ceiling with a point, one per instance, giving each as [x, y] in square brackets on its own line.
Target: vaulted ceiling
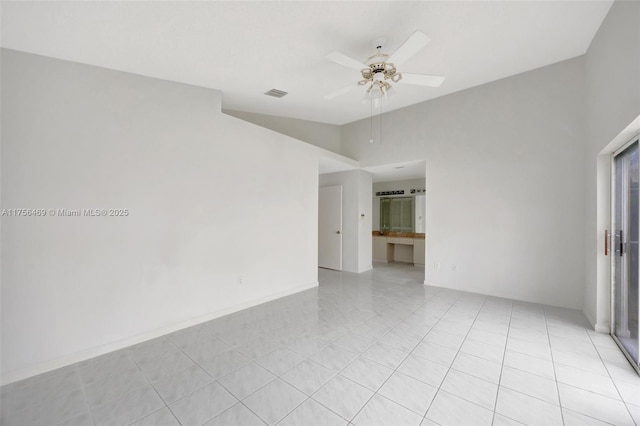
[247, 48]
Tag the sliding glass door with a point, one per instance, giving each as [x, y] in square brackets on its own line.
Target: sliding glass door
[625, 251]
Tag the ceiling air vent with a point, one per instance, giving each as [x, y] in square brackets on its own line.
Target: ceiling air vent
[276, 93]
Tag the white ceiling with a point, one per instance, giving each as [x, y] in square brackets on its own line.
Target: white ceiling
[331, 163]
[247, 48]
[398, 171]
[382, 173]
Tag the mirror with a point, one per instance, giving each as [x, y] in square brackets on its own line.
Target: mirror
[396, 214]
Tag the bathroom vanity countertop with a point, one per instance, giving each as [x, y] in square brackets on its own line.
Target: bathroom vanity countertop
[398, 234]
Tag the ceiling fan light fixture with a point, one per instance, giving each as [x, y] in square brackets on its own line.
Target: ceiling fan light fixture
[381, 67]
[378, 89]
[389, 69]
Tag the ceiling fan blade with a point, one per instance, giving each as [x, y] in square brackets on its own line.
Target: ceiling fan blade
[341, 91]
[422, 79]
[346, 61]
[414, 43]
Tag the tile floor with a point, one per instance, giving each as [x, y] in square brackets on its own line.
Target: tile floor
[377, 348]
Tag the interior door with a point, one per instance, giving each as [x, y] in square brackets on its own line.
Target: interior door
[625, 296]
[330, 227]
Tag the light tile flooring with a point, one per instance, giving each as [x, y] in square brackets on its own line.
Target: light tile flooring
[377, 348]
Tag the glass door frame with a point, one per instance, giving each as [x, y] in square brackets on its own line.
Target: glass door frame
[624, 147]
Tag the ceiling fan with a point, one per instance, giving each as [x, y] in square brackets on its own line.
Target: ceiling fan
[380, 69]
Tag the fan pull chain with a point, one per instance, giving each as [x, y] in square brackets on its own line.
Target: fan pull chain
[380, 122]
[371, 121]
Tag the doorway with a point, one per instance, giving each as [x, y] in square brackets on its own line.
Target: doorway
[399, 212]
[624, 240]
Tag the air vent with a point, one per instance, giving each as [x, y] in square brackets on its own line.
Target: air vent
[276, 93]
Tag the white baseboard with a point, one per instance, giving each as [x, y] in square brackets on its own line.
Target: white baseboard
[432, 284]
[603, 327]
[590, 317]
[368, 268]
[34, 370]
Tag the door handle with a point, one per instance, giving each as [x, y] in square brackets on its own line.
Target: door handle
[621, 244]
[338, 232]
[606, 242]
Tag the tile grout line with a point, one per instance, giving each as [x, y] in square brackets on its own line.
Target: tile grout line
[421, 340]
[555, 375]
[308, 358]
[195, 390]
[346, 366]
[307, 397]
[379, 387]
[484, 300]
[546, 401]
[339, 371]
[177, 372]
[504, 354]
[475, 356]
[247, 407]
[154, 389]
[84, 395]
[248, 395]
[307, 334]
[611, 378]
[147, 382]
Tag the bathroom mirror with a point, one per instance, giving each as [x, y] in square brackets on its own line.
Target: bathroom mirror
[396, 214]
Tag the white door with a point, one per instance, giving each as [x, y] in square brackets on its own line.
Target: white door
[330, 227]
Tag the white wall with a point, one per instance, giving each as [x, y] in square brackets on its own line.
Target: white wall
[213, 201]
[406, 185]
[613, 102]
[356, 230]
[506, 186]
[326, 136]
[365, 216]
